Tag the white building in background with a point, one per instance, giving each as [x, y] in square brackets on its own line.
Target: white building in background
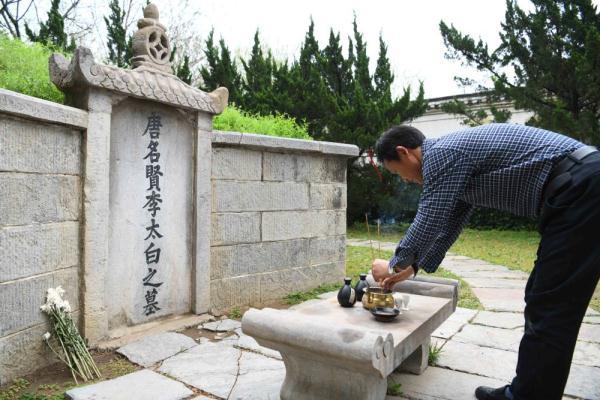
[435, 122]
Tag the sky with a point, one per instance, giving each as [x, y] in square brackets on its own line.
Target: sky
[410, 29]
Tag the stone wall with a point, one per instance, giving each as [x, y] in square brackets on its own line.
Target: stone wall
[278, 217]
[40, 211]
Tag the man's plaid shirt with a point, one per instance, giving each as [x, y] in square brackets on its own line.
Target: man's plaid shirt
[501, 166]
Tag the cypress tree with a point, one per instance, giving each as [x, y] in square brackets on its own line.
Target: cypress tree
[553, 52]
[361, 63]
[221, 69]
[257, 86]
[285, 82]
[52, 32]
[183, 70]
[383, 76]
[335, 66]
[119, 46]
[210, 78]
[229, 71]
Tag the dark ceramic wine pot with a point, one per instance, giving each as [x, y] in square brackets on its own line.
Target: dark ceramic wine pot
[346, 296]
[361, 286]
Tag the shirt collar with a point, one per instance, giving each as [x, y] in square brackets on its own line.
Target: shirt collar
[427, 144]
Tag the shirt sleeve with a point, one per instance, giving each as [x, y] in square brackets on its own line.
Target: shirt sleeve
[441, 214]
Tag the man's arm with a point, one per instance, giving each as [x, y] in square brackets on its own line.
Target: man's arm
[445, 239]
[441, 213]
[436, 252]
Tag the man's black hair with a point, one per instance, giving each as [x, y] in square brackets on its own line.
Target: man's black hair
[399, 135]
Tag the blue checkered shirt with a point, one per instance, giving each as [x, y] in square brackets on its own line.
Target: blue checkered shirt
[500, 166]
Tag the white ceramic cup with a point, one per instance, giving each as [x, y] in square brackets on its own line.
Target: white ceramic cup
[405, 301]
[398, 300]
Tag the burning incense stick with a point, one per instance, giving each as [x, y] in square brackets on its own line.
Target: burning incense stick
[378, 238]
[369, 235]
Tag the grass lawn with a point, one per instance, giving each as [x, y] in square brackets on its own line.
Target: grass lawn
[513, 249]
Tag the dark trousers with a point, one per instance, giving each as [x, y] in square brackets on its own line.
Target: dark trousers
[561, 285]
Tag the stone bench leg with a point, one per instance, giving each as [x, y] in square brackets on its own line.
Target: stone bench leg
[418, 360]
[309, 379]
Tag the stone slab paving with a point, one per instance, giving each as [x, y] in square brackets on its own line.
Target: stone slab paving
[439, 383]
[149, 350]
[246, 342]
[260, 378]
[506, 320]
[223, 370]
[497, 283]
[139, 385]
[225, 325]
[507, 274]
[592, 319]
[463, 266]
[589, 333]
[497, 338]
[478, 360]
[584, 382]
[586, 353]
[438, 342]
[501, 299]
[454, 323]
[210, 366]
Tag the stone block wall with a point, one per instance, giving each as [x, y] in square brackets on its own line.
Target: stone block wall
[278, 217]
[40, 211]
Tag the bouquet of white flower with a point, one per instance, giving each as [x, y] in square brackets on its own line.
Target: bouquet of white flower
[74, 350]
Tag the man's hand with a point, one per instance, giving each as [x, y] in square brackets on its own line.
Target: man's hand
[379, 269]
[389, 282]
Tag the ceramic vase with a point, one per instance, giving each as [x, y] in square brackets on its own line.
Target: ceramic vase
[346, 296]
[361, 286]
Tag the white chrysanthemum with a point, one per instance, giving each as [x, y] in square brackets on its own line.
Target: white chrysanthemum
[65, 306]
[55, 301]
[47, 336]
[53, 297]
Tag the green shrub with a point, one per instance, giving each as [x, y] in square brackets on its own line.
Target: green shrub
[24, 69]
[234, 119]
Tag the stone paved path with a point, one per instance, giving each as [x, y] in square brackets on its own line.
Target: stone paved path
[479, 347]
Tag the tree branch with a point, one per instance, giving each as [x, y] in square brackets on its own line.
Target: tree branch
[74, 4]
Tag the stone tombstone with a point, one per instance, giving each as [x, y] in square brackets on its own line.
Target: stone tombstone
[147, 194]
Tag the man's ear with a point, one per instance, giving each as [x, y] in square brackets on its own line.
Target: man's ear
[401, 151]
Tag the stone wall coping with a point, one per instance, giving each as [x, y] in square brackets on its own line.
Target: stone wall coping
[41, 110]
[283, 144]
[143, 82]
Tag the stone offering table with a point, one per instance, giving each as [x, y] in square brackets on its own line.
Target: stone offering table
[331, 352]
